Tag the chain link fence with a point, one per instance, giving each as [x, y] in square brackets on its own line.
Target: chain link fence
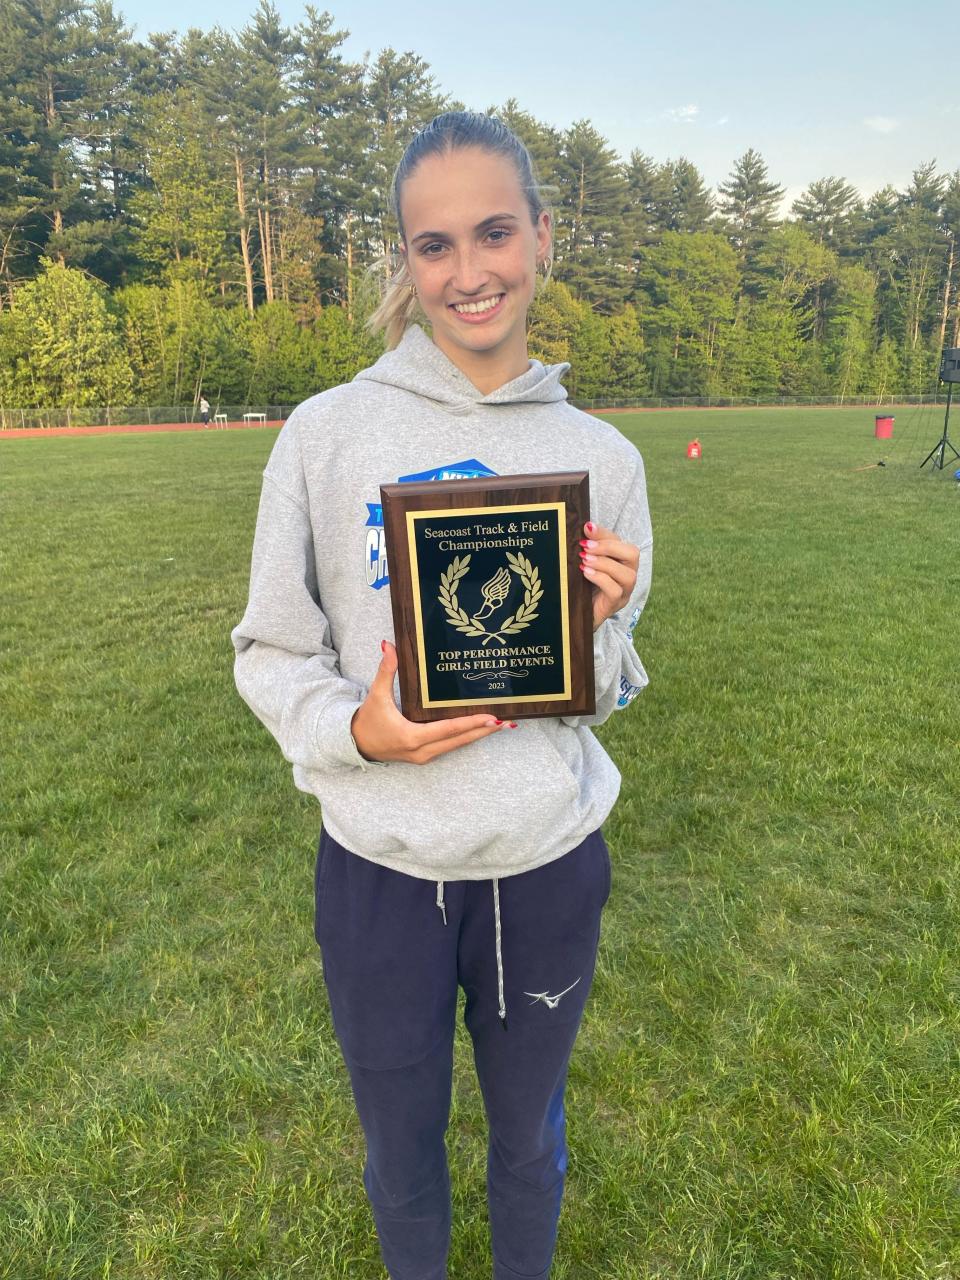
[714, 402]
[162, 415]
[132, 415]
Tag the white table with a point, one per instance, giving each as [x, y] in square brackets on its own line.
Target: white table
[254, 417]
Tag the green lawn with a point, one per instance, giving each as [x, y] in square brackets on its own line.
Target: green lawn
[768, 1080]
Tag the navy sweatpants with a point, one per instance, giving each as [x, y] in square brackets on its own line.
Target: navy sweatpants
[392, 968]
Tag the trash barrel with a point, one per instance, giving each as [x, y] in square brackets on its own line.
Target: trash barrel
[883, 427]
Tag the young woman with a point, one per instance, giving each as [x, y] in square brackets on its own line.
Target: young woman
[465, 853]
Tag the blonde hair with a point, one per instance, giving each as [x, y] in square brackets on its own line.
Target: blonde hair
[451, 131]
[398, 308]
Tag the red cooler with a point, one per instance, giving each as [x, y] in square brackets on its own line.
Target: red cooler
[883, 428]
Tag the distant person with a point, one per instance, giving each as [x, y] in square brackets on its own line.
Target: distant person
[204, 410]
[466, 851]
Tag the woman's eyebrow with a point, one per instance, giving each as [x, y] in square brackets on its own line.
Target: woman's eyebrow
[496, 217]
[443, 235]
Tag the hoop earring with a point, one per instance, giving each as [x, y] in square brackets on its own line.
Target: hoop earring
[413, 289]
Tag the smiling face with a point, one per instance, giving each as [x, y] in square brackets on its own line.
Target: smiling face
[472, 249]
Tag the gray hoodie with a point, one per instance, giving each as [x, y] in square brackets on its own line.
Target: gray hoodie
[308, 645]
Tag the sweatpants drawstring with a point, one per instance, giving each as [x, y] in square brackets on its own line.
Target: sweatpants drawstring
[496, 921]
[496, 918]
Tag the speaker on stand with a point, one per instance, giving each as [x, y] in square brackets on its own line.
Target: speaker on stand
[949, 373]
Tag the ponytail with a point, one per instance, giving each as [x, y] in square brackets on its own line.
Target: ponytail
[398, 307]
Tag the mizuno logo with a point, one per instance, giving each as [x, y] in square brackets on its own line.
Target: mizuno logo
[550, 1001]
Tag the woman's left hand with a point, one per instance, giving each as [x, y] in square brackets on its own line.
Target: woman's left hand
[611, 566]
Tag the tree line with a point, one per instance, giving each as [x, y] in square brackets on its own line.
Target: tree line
[201, 211]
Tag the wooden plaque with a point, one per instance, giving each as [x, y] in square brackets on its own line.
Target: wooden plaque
[491, 611]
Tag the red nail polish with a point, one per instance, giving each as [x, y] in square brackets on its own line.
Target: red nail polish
[591, 527]
[499, 722]
[583, 542]
[383, 646]
[514, 725]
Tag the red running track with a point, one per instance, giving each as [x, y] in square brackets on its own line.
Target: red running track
[21, 432]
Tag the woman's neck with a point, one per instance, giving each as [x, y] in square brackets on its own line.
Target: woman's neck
[486, 371]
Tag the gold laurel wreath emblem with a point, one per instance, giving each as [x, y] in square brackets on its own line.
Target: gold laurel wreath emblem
[458, 617]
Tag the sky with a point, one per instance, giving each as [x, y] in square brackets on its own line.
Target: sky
[850, 89]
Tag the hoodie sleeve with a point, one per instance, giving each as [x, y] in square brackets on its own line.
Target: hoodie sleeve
[286, 668]
[619, 673]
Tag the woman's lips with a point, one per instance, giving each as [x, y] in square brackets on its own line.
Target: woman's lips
[478, 317]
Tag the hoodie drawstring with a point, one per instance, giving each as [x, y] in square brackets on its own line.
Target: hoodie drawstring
[496, 920]
[502, 1009]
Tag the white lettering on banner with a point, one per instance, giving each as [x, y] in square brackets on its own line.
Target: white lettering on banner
[376, 557]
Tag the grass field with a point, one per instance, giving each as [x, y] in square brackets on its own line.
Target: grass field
[768, 1080]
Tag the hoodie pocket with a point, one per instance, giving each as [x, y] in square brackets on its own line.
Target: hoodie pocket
[501, 799]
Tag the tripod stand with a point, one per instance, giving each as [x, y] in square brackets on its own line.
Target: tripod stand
[937, 452]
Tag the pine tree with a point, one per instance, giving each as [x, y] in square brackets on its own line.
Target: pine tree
[235, 143]
[336, 136]
[21, 195]
[351, 203]
[649, 188]
[689, 204]
[909, 259]
[46, 46]
[749, 202]
[832, 212]
[592, 239]
[880, 214]
[828, 210]
[182, 219]
[103, 127]
[273, 124]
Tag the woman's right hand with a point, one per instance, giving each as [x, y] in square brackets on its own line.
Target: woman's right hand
[382, 733]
